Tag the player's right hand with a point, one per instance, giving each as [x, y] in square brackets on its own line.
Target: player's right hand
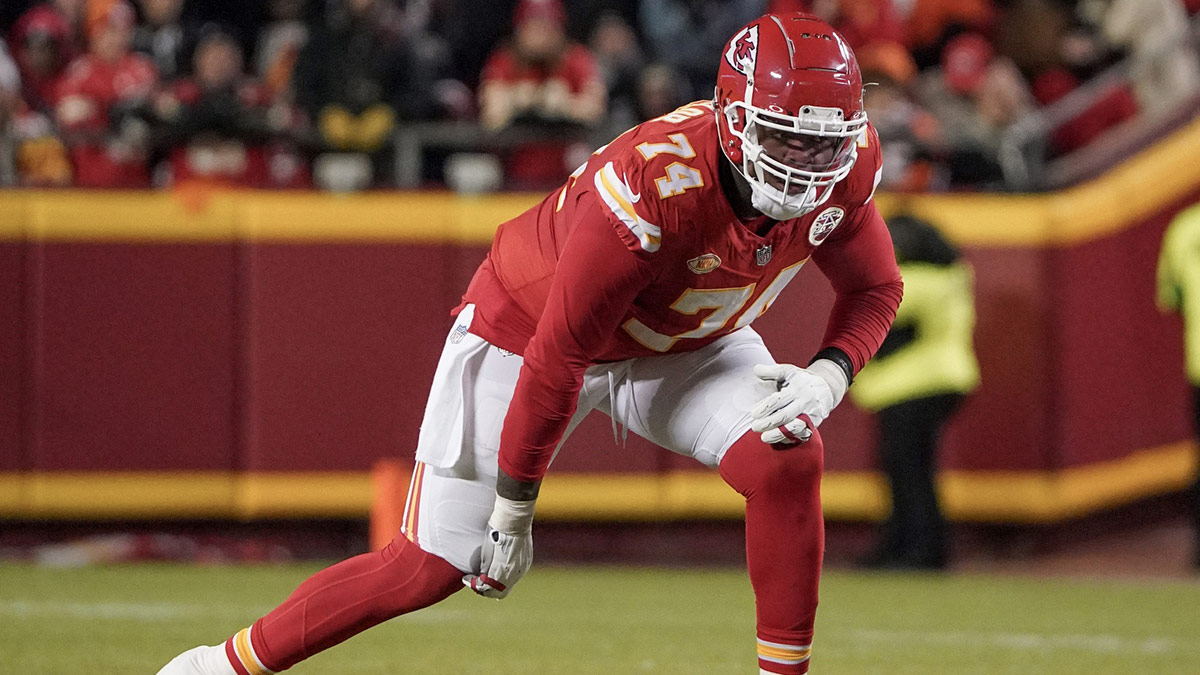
[803, 399]
[507, 552]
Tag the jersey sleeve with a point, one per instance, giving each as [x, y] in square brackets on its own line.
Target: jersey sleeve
[597, 278]
[635, 215]
[860, 263]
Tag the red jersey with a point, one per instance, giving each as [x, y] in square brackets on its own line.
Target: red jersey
[574, 71]
[96, 85]
[89, 88]
[541, 164]
[681, 271]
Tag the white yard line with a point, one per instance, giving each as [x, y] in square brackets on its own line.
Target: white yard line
[1110, 644]
[158, 611]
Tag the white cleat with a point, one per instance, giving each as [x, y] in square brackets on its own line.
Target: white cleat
[199, 661]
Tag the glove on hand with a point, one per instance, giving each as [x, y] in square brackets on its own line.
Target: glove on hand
[507, 549]
[804, 399]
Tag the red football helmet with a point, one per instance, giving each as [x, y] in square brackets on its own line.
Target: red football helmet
[789, 105]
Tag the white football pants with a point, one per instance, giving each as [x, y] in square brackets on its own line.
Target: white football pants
[696, 404]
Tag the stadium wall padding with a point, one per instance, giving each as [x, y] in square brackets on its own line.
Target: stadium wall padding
[243, 354]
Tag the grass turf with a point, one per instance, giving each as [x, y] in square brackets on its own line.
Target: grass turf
[132, 619]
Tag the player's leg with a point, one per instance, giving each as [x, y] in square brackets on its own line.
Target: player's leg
[698, 404]
[449, 502]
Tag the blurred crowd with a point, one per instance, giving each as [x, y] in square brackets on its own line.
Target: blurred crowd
[304, 93]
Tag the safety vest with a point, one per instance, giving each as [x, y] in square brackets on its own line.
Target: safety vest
[937, 315]
[1179, 282]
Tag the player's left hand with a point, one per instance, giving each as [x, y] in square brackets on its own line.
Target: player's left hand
[507, 552]
[805, 397]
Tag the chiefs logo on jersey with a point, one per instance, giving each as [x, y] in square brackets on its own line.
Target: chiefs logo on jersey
[743, 51]
[824, 223]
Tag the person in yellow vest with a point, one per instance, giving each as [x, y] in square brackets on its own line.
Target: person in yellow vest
[918, 379]
[1179, 291]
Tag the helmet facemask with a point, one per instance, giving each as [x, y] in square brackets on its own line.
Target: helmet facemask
[792, 163]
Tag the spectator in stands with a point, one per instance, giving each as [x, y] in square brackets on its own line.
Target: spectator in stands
[911, 134]
[975, 95]
[659, 92]
[103, 101]
[541, 78]
[162, 37]
[361, 72]
[1156, 35]
[30, 155]
[1036, 35]
[862, 21]
[220, 127]
[684, 34]
[280, 43]
[931, 24]
[620, 60]
[918, 378]
[43, 43]
[1179, 292]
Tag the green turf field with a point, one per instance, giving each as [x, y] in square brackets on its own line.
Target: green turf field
[131, 619]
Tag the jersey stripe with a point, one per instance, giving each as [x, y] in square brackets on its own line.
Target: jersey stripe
[620, 198]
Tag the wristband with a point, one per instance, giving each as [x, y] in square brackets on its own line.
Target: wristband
[512, 517]
[833, 375]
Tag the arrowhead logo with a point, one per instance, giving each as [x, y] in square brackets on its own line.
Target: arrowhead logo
[742, 52]
[824, 223]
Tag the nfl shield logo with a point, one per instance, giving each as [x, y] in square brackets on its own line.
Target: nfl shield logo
[762, 255]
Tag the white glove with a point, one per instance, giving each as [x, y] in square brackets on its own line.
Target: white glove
[507, 549]
[804, 399]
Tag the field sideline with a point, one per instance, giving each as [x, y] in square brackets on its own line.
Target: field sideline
[130, 619]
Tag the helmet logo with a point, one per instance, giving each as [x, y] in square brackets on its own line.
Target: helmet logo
[742, 53]
[776, 109]
[824, 223]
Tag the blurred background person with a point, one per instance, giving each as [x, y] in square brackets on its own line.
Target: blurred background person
[541, 78]
[43, 41]
[367, 66]
[620, 60]
[909, 131]
[1179, 292]
[162, 37]
[684, 34]
[30, 154]
[220, 127]
[102, 102]
[918, 379]
[861, 22]
[975, 95]
[1040, 38]
[1157, 37]
[280, 42]
[929, 25]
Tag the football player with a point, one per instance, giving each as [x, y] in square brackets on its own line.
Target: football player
[632, 289]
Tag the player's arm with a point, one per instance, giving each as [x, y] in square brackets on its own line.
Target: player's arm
[595, 283]
[861, 267]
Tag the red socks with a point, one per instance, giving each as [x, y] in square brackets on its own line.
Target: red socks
[341, 601]
[785, 541]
